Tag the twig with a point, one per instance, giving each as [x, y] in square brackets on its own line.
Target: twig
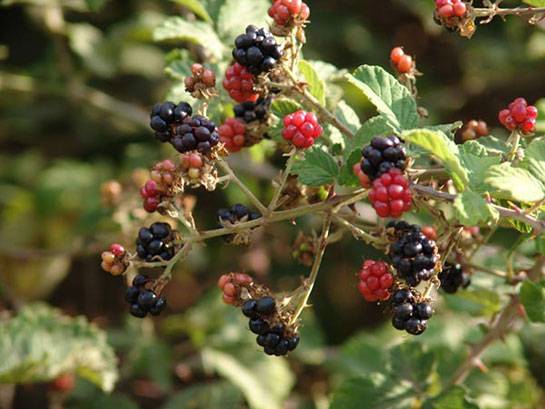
[486, 270]
[518, 11]
[285, 175]
[356, 231]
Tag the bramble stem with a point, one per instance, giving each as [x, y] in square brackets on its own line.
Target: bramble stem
[356, 231]
[518, 11]
[283, 180]
[255, 201]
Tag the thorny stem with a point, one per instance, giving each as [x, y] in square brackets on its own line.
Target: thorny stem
[285, 175]
[356, 231]
[256, 202]
[311, 280]
[496, 11]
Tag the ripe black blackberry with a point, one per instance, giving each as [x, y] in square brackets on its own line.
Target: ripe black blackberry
[164, 115]
[257, 50]
[195, 133]
[253, 111]
[413, 255]
[409, 313]
[453, 277]
[155, 241]
[381, 155]
[143, 300]
[237, 213]
[272, 335]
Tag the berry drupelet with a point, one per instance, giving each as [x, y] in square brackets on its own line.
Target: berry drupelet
[403, 63]
[143, 300]
[383, 154]
[301, 128]
[448, 9]
[390, 194]
[231, 285]
[453, 277]
[472, 130]
[195, 133]
[253, 111]
[413, 255]
[410, 314]
[519, 116]
[375, 281]
[289, 12]
[164, 115]
[240, 83]
[155, 241]
[114, 261]
[232, 134]
[236, 214]
[257, 50]
[201, 83]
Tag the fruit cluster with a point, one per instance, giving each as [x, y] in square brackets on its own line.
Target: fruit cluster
[383, 154]
[519, 115]
[375, 281]
[390, 194]
[410, 312]
[201, 83]
[251, 111]
[403, 63]
[165, 115]
[231, 285]
[157, 241]
[238, 213]
[447, 9]
[289, 12]
[413, 255]
[143, 300]
[472, 130]
[240, 83]
[301, 128]
[275, 337]
[160, 186]
[453, 277]
[114, 261]
[197, 132]
[257, 50]
[233, 134]
[191, 164]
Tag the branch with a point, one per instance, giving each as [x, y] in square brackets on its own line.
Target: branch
[518, 11]
[285, 175]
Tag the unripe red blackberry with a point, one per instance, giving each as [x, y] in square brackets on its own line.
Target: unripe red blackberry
[450, 8]
[453, 277]
[472, 130]
[160, 186]
[289, 12]
[115, 261]
[232, 134]
[375, 281]
[519, 115]
[239, 82]
[231, 285]
[402, 62]
[390, 194]
[257, 50]
[63, 383]
[301, 128]
[202, 82]
[362, 177]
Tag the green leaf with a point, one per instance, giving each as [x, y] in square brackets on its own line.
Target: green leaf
[266, 391]
[390, 98]
[40, 344]
[196, 7]
[284, 106]
[438, 144]
[317, 168]
[508, 182]
[236, 15]
[532, 296]
[410, 362]
[534, 159]
[471, 209]
[476, 301]
[176, 29]
[453, 398]
[373, 391]
[347, 116]
[214, 395]
[447, 129]
[315, 85]
[535, 3]
[475, 160]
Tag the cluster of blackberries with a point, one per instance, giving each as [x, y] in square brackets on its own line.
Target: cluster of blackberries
[274, 338]
[453, 277]
[237, 213]
[164, 115]
[142, 300]
[413, 255]
[155, 241]
[253, 111]
[257, 50]
[410, 314]
[383, 154]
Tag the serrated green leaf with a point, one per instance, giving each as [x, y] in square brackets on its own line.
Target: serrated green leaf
[447, 129]
[453, 398]
[532, 296]
[535, 3]
[214, 395]
[472, 210]
[196, 7]
[315, 85]
[411, 362]
[534, 159]
[40, 344]
[317, 168]
[347, 116]
[373, 391]
[176, 29]
[266, 391]
[475, 160]
[235, 15]
[438, 144]
[284, 106]
[508, 182]
[391, 99]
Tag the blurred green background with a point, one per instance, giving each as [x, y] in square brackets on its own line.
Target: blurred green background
[76, 85]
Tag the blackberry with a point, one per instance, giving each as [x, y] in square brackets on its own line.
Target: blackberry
[155, 241]
[453, 277]
[237, 213]
[143, 301]
[383, 154]
[164, 115]
[195, 133]
[257, 50]
[409, 314]
[413, 255]
[253, 111]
